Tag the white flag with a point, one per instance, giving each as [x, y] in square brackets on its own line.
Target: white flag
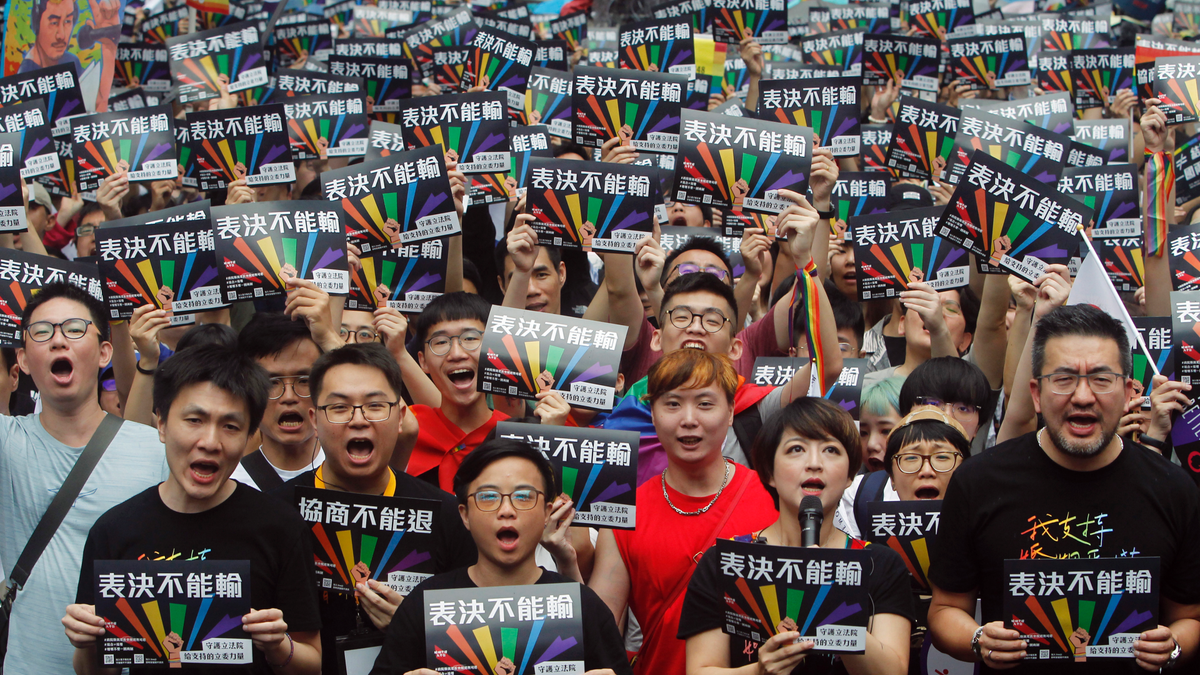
[1093, 287]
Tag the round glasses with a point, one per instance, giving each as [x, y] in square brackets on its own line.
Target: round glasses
[1067, 383]
[712, 319]
[342, 413]
[42, 331]
[959, 410]
[692, 268]
[299, 387]
[941, 462]
[360, 335]
[469, 340]
[521, 500]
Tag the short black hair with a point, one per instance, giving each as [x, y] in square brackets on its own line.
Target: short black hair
[969, 302]
[9, 355]
[949, 379]
[471, 274]
[490, 452]
[370, 354]
[709, 244]
[208, 334]
[813, 418]
[62, 289]
[567, 147]
[226, 368]
[923, 430]
[1079, 321]
[88, 209]
[695, 283]
[847, 314]
[449, 307]
[269, 333]
[500, 254]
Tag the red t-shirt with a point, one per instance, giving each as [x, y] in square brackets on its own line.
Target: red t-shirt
[661, 555]
[441, 446]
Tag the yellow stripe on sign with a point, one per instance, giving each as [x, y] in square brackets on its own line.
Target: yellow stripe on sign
[111, 153]
[891, 62]
[898, 252]
[210, 68]
[931, 148]
[575, 211]
[1062, 611]
[614, 114]
[347, 546]
[147, 270]
[152, 613]
[535, 361]
[642, 57]
[922, 551]
[998, 216]
[772, 601]
[1137, 262]
[484, 637]
[1191, 87]
[310, 126]
[268, 249]
[731, 177]
[799, 115]
[372, 208]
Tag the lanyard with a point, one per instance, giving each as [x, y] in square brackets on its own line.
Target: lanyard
[319, 482]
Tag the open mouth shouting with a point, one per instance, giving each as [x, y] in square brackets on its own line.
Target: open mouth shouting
[290, 421]
[1082, 423]
[694, 344]
[463, 379]
[689, 442]
[360, 450]
[204, 471]
[61, 370]
[928, 492]
[508, 537]
[813, 486]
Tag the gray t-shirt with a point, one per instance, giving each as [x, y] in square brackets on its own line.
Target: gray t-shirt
[33, 466]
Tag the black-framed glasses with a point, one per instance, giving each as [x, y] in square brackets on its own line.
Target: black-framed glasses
[941, 462]
[299, 387]
[692, 268]
[469, 340]
[959, 410]
[711, 319]
[342, 413]
[1066, 383]
[42, 331]
[361, 335]
[521, 500]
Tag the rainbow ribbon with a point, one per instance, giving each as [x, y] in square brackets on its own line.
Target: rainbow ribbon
[1160, 178]
[808, 297]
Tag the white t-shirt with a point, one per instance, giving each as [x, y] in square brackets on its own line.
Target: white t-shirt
[242, 476]
[33, 466]
[843, 518]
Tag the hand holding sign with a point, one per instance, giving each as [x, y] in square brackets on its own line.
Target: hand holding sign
[82, 625]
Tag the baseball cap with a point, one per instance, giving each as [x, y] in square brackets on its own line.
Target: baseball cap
[909, 196]
[38, 194]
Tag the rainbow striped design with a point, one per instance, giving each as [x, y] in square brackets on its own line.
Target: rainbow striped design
[807, 299]
[211, 6]
[1160, 179]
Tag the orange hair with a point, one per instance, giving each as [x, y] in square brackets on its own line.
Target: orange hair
[691, 369]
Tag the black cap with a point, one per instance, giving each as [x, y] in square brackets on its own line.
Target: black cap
[909, 196]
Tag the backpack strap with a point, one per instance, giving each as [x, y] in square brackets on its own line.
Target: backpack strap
[745, 427]
[869, 490]
[264, 475]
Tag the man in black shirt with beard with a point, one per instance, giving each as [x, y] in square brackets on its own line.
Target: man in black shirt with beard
[1071, 490]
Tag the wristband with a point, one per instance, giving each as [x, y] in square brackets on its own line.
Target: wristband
[810, 267]
[872, 120]
[827, 215]
[1145, 440]
[291, 653]
[975, 646]
[140, 369]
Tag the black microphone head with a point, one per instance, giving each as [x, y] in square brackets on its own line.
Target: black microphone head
[811, 504]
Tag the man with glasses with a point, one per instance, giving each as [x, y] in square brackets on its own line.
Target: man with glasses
[90, 218]
[288, 444]
[1073, 489]
[505, 492]
[65, 339]
[448, 335]
[358, 414]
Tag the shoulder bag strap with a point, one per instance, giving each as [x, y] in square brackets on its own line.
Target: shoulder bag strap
[62, 502]
[264, 475]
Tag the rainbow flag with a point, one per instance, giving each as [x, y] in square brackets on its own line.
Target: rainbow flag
[213, 6]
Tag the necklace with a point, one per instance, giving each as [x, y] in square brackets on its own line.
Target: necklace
[708, 506]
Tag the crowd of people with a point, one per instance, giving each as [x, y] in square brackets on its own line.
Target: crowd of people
[1013, 407]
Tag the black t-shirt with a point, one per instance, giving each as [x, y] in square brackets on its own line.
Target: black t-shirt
[339, 612]
[888, 584]
[1014, 502]
[404, 648]
[246, 526]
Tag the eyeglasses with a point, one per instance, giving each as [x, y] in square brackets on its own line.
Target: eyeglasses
[959, 410]
[469, 340]
[941, 462]
[1067, 383]
[85, 230]
[521, 500]
[299, 387]
[342, 413]
[42, 331]
[692, 268]
[360, 335]
[712, 319]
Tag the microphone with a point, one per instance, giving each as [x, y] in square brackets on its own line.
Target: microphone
[812, 513]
